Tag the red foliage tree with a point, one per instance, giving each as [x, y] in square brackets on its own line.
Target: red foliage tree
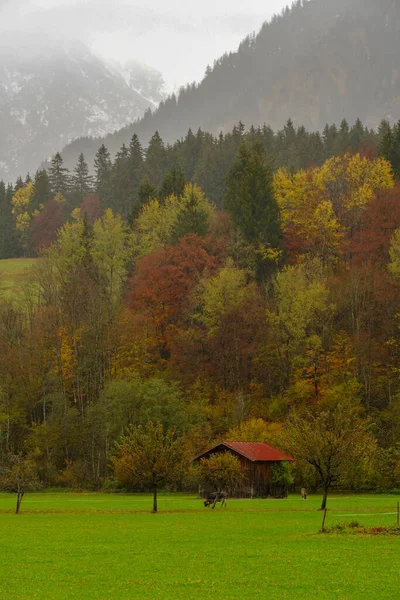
[370, 244]
[165, 279]
[91, 206]
[46, 224]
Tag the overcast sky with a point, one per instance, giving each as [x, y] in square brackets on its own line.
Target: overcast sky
[177, 37]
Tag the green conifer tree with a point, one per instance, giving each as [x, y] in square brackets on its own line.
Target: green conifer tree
[81, 181]
[58, 176]
[41, 189]
[156, 160]
[250, 199]
[102, 168]
[9, 246]
[173, 183]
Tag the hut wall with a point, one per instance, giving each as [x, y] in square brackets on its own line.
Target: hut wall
[256, 478]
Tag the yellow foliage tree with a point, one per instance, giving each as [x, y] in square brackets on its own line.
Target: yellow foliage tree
[318, 207]
[158, 221]
[21, 211]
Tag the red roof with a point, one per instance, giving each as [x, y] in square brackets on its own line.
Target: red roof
[254, 451]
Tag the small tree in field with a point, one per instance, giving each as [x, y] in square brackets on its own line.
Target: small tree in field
[221, 472]
[149, 456]
[335, 442]
[18, 475]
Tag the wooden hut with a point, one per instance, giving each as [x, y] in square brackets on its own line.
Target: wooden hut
[257, 460]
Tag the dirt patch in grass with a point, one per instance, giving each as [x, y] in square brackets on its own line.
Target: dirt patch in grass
[354, 527]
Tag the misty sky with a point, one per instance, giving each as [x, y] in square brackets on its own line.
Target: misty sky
[177, 37]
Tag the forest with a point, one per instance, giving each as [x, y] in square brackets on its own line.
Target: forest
[221, 286]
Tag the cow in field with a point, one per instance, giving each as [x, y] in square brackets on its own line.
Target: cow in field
[213, 497]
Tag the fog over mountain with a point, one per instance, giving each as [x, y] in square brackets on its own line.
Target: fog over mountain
[52, 92]
[74, 68]
[316, 63]
[177, 37]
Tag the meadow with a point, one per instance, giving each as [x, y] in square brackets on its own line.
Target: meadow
[103, 546]
[12, 273]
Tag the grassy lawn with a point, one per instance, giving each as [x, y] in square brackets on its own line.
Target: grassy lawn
[12, 272]
[97, 546]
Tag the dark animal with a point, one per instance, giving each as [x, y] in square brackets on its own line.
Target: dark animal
[303, 493]
[213, 497]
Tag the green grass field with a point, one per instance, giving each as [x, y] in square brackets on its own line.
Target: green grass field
[98, 546]
[12, 273]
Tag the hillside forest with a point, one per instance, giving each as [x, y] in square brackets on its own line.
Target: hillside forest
[218, 285]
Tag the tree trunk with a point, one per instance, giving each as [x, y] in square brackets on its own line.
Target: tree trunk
[324, 498]
[154, 499]
[20, 495]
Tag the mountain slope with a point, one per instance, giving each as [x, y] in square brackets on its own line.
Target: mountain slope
[52, 93]
[319, 62]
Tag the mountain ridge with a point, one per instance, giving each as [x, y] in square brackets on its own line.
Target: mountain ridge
[314, 63]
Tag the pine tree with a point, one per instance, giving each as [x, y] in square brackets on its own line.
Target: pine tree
[250, 198]
[145, 192]
[343, 139]
[19, 184]
[173, 184]
[41, 189]
[58, 176]
[135, 152]
[193, 218]
[121, 183]
[386, 143]
[9, 247]
[156, 161]
[102, 167]
[81, 181]
[356, 135]
[135, 169]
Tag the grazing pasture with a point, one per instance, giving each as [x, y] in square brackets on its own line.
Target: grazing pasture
[12, 272]
[99, 546]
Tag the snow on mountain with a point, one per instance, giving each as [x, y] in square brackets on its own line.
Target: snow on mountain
[53, 92]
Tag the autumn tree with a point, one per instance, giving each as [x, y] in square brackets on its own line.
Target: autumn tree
[149, 456]
[336, 442]
[221, 472]
[18, 475]
[299, 314]
[111, 251]
[22, 213]
[230, 309]
[45, 225]
[163, 282]
[321, 206]
[164, 223]
[394, 252]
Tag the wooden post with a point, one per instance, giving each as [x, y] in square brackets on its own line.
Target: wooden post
[323, 520]
[398, 515]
